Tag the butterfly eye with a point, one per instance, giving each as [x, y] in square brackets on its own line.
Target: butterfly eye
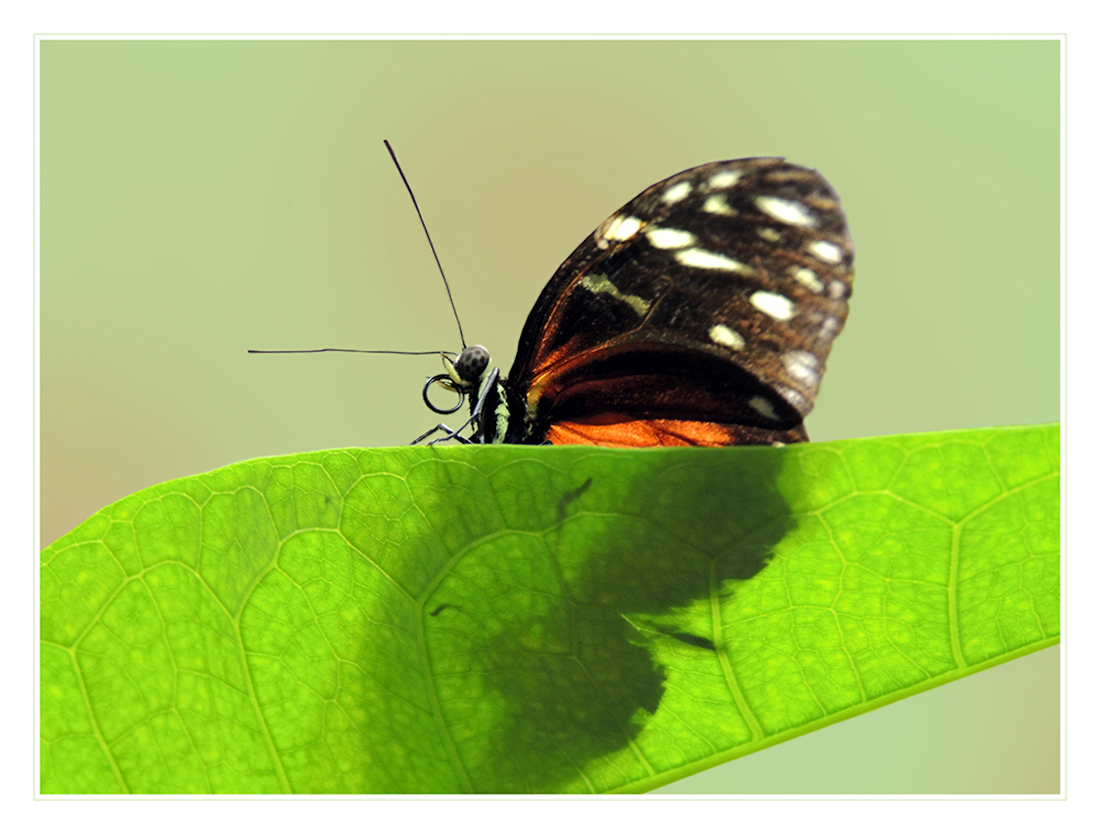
[471, 364]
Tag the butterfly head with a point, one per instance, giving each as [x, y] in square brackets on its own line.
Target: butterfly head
[468, 368]
[472, 376]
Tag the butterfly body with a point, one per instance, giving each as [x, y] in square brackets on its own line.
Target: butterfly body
[700, 313]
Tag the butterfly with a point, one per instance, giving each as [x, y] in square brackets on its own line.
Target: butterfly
[700, 313]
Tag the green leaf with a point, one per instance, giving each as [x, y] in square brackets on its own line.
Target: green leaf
[459, 619]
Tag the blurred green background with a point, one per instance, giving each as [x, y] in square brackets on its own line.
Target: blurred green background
[199, 198]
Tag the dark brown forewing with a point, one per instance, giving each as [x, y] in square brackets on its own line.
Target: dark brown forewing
[732, 277]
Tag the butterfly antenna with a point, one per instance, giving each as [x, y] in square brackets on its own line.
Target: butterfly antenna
[408, 187]
[350, 350]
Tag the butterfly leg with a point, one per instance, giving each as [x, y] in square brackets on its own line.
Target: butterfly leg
[449, 434]
[490, 384]
[452, 435]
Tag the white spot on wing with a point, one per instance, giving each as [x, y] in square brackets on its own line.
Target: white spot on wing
[722, 335]
[711, 260]
[836, 289]
[807, 278]
[779, 307]
[802, 366]
[716, 204]
[617, 227]
[786, 211]
[723, 179]
[676, 193]
[763, 407]
[600, 285]
[826, 251]
[669, 238]
[768, 233]
[797, 401]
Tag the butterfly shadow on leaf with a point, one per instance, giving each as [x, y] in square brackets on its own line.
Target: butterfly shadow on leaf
[582, 675]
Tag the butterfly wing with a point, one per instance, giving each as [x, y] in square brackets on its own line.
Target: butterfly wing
[700, 313]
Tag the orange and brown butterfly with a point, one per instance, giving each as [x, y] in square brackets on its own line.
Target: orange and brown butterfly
[701, 313]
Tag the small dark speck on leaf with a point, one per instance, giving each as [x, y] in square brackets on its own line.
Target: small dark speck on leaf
[570, 496]
[440, 609]
[692, 640]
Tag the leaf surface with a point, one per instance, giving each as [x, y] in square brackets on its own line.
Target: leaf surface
[514, 619]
